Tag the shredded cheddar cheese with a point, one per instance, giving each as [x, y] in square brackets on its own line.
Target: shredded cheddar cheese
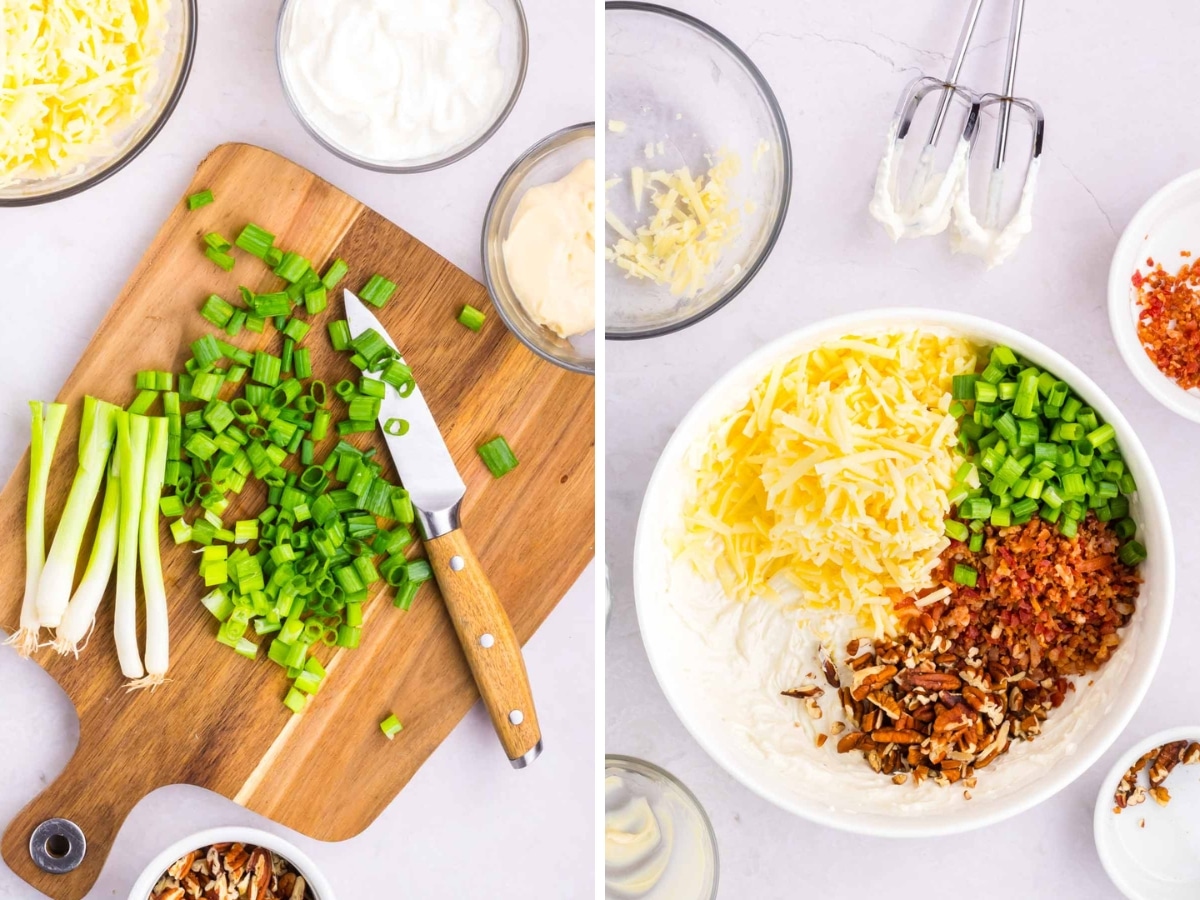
[691, 222]
[73, 73]
[833, 477]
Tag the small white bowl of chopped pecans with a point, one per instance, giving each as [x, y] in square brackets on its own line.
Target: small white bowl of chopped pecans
[1147, 821]
[223, 863]
[1154, 296]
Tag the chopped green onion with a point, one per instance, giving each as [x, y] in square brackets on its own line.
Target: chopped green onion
[197, 200]
[336, 272]
[292, 267]
[391, 727]
[255, 241]
[217, 310]
[223, 260]
[142, 402]
[965, 575]
[377, 291]
[339, 334]
[296, 700]
[315, 300]
[216, 242]
[396, 427]
[498, 456]
[471, 317]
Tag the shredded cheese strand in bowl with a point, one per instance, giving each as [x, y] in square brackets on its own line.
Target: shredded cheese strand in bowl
[832, 479]
[693, 220]
[73, 74]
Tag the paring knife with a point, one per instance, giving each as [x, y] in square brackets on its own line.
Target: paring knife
[428, 473]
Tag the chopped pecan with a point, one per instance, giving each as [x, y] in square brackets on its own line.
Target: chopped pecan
[181, 865]
[804, 691]
[895, 736]
[931, 681]
[885, 702]
[1167, 759]
[828, 668]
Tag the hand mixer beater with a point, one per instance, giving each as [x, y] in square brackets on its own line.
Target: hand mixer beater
[932, 197]
[924, 208]
[990, 239]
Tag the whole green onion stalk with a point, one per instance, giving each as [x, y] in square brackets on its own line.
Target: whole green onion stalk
[157, 636]
[80, 616]
[47, 423]
[132, 433]
[58, 576]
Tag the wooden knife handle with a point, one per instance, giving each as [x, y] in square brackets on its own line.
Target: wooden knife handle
[490, 645]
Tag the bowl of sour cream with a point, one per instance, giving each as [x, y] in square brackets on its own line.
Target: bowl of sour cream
[401, 85]
[539, 248]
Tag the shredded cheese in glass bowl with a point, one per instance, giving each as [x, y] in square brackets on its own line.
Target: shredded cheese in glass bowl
[697, 169]
[87, 85]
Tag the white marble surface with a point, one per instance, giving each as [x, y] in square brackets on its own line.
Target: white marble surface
[1113, 79]
[467, 825]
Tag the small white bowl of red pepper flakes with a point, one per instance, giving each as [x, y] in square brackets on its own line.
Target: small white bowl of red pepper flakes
[1154, 296]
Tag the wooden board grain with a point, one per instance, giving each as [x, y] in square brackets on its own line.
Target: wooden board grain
[219, 723]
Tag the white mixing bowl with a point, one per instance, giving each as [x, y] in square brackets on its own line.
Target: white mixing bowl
[839, 789]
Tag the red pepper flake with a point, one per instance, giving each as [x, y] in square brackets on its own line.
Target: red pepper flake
[1168, 323]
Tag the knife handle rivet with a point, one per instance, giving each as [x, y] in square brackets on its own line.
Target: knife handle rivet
[516, 717]
[457, 563]
[486, 640]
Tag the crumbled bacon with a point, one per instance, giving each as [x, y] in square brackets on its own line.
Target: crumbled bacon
[1168, 322]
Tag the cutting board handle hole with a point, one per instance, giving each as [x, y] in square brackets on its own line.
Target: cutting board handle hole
[57, 846]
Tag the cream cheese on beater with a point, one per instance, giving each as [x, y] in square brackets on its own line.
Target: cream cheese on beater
[392, 81]
[550, 252]
[932, 196]
[993, 245]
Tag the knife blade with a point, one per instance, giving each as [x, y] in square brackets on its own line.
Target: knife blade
[436, 488]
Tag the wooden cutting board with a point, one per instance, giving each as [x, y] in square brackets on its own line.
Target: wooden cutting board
[220, 723]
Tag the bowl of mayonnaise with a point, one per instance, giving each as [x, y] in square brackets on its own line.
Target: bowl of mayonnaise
[658, 841]
[401, 85]
[539, 248]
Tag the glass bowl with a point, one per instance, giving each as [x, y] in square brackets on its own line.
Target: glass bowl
[174, 66]
[692, 832]
[674, 80]
[514, 60]
[548, 160]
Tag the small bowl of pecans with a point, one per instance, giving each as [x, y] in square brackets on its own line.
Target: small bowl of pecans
[1154, 296]
[1146, 817]
[232, 864]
